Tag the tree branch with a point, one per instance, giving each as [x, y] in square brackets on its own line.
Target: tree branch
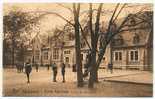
[90, 20]
[119, 12]
[83, 34]
[65, 7]
[97, 25]
[110, 22]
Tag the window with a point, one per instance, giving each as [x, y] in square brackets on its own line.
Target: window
[136, 39]
[37, 54]
[120, 56]
[71, 36]
[131, 55]
[134, 55]
[67, 52]
[46, 55]
[67, 59]
[56, 53]
[117, 56]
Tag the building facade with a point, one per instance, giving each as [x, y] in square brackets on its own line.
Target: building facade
[129, 50]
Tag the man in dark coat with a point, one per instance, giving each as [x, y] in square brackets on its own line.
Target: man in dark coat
[18, 67]
[37, 67]
[22, 67]
[63, 71]
[54, 68]
[87, 65]
[28, 70]
[74, 69]
[110, 67]
[85, 70]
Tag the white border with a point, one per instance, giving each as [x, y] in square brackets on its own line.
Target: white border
[82, 1]
[59, 1]
[1, 46]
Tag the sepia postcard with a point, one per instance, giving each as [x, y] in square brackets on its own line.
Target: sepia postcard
[77, 50]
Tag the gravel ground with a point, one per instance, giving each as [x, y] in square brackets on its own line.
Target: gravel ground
[14, 84]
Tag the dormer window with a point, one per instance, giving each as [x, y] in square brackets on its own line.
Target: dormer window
[132, 22]
[71, 36]
[118, 40]
[136, 39]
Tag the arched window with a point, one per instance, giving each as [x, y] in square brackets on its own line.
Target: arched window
[136, 39]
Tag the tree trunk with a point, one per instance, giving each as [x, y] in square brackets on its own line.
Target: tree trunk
[77, 46]
[96, 75]
[94, 41]
[92, 71]
[13, 52]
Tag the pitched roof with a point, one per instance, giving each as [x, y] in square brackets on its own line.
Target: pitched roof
[142, 33]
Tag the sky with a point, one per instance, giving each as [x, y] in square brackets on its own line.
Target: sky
[49, 22]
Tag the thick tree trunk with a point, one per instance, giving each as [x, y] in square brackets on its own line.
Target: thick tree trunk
[92, 71]
[94, 41]
[96, 76]
[77, 46]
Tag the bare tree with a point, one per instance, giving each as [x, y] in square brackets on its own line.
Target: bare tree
[94, 43]
[76, 11]
[112, 29]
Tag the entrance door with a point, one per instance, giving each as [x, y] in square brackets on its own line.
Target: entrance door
[67, 61]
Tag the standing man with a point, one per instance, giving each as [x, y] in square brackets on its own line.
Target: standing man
[48, 66]
[54, 68]
[28, 70]
[74, 69]
[63, 71]
[22, 67]
[85, 70]
[110, 67]
[37, 67]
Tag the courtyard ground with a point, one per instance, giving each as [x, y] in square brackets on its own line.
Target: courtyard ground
[121, 83]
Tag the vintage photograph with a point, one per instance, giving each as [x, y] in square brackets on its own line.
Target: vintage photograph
[77, 49]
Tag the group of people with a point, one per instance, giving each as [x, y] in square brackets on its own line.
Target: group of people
[19, 67]
[55, 70]
[28, 69]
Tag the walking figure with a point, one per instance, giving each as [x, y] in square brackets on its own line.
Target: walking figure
[63, 71]
[85, 70]
[110, 67]
[74, 69]
[54, 68]
[18, 67]
[37, 67]
[87, 65]
[48, 66]
[22, 67]
[28, 70]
